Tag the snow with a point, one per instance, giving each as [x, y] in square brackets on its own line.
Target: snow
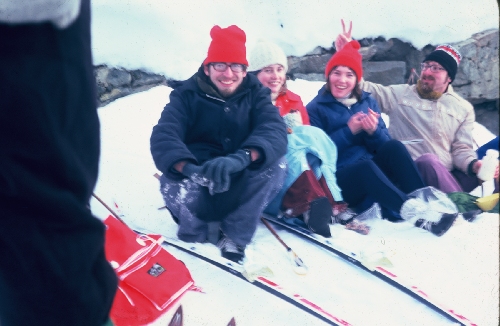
[460, 268]
[172, 37]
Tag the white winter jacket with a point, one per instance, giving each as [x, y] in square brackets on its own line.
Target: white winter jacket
[443, 126]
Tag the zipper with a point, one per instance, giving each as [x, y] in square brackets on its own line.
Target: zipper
[215, 98]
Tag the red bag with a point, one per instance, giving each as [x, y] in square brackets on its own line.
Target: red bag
[150, 278]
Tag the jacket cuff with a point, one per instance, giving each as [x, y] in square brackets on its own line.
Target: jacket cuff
[469, 167]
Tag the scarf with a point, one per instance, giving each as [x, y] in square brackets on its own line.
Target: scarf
[348, 101]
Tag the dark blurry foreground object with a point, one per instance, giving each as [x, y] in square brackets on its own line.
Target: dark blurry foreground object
[53, 270]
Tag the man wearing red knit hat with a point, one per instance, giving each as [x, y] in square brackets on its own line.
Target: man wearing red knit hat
[220, 144]
[433, 121]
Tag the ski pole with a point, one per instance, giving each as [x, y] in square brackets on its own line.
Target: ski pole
[109, 208]
[298, 265]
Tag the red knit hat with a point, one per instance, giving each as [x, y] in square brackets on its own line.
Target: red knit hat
[348, 56]
[228, 45]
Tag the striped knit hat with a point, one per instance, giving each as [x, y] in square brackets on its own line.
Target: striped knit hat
[448, 57]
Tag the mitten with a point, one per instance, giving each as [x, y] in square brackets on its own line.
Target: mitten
[194, 172]
[218, 170]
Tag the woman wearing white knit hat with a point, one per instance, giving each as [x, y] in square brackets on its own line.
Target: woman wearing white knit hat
[310, 188]
[269, 62]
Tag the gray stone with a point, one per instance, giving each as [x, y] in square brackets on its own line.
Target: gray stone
[487, 115]
[477, 77]
[385, 73]
[141, 78]
[316, 51]
[118, 78]
[310, 77]
[113, 83]
[308, 64]
[367, 52]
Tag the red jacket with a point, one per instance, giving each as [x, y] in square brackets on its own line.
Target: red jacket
[290, 101]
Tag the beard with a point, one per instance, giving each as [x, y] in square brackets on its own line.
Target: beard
[426, 92]
[226, 92]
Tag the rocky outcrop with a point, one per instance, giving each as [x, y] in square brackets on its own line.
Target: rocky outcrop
[384, 61]
[113, 83]
[477, 76]
[391, 62]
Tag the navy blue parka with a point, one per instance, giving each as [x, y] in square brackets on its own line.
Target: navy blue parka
[330, 115]
[198, 124]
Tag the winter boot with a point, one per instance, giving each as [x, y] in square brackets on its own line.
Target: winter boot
[438, 228]
[231, 250]
[319, 216]
[470, 216]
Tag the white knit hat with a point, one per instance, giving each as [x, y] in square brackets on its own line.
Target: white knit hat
[265, 54]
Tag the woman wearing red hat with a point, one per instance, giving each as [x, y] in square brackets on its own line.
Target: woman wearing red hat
[370, 165]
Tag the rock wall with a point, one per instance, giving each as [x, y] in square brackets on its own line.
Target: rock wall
[391, 61]
[384, 61]
[113, 83]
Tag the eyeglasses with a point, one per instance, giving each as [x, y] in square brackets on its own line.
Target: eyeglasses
[221, 67]
[433, 68]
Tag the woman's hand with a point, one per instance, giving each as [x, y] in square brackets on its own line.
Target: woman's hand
[355, 123]
[370, 122]
[343, 38]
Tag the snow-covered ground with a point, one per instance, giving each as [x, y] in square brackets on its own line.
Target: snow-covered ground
[460, 268]
[171, 37]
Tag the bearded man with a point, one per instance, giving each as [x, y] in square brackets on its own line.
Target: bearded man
[434, 122]
[220, 144]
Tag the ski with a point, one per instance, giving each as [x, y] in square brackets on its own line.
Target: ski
[232, 322]
[237, 270]
[178, 319]
[382, 272]
[263, 282]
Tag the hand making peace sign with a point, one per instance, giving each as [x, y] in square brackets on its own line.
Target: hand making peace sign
[344, 37]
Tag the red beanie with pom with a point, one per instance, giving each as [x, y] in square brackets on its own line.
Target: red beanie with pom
[348, 56]
[228, 45]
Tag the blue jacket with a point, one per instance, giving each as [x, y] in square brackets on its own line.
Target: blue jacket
[326, 113]
[309, 148]
[198, 124]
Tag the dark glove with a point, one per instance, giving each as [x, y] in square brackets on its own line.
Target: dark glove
[194, 172]
[218, 170]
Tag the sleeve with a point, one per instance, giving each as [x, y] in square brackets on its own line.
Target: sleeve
[268, 134]
[59, 12]
[462, 149]
[304, 114]
[384, 95]
[167, 138]
[381, 135]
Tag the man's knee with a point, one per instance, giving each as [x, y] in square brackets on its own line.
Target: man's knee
[428, 159]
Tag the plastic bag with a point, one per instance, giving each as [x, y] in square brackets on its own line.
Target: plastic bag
[437, 200]
[363, 222]
[429, 204]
